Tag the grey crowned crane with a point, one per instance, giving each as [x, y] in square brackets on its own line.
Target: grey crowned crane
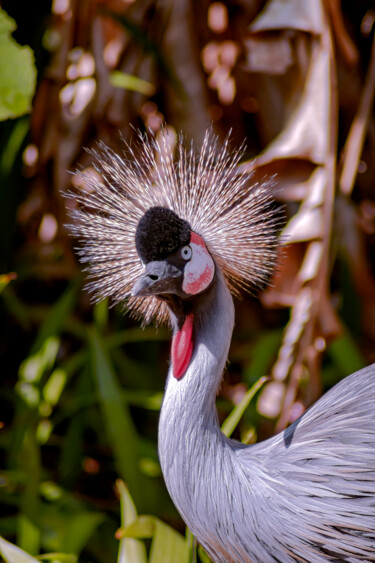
[174, 240]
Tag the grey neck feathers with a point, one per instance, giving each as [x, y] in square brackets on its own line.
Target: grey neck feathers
[196, 391]
[190, 441]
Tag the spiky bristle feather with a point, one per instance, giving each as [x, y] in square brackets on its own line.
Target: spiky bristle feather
[235, 219]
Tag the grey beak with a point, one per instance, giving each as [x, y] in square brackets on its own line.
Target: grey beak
[159, 277]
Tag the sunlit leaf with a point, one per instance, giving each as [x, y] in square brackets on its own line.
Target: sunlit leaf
[54, 386]
[168, 546]
[13, 554]
[203, 555]
[233, 419]
[17, 71]
[130, 82]
[131, 550]
[58, 557]
[33, 368]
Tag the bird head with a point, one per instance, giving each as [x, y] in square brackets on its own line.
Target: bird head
[176, 259]
[177, 268]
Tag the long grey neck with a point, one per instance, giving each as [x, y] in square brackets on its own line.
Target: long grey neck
[194, 394]
[190, 440]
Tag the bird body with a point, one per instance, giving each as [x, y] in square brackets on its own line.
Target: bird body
[307, 494]
[176, 245]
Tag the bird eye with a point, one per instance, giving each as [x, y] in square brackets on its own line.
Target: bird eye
[186, 253]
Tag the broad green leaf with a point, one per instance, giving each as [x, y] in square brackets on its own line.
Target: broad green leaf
[346, 354]
[13, 146]
[233, 419]
[34, 366]
[79, 530]
[131, 550]
[119, 426]
[28, 533]
[263, 352]
[57, 316]
[143, 527]
[100, 313]
[168, 546]
[17, 71]
[150, 400]
[13, 554]
[203, 555]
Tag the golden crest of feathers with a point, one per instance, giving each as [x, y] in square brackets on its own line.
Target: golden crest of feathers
[236, 219]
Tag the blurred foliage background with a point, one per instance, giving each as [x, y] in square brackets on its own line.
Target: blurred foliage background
[82, 384]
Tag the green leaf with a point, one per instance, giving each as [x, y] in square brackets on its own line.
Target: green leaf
[81, 527]
[100, 313]
[263, 352]
[61, 557]
[233, 419]
[57, 316]
[120, 79]
[148, 334]
[203, 555]
[35, 366]
[28, 534]
[5, 279]
[13, 146]
[55, 386]
[143, 527]
[346, 354]
[119, 426]
[13, 554]
[168, 546]
[131, 550]
[17, 71]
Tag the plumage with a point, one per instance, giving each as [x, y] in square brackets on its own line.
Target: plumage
[305, 495]
[235, 217]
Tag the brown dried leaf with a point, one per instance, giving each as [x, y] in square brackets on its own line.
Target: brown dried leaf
[292, 14]
[305, 135]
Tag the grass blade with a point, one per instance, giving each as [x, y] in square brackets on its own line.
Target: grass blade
[168, 546]
[119, 426]
[233, 419]
[13, 554]
[131, 550]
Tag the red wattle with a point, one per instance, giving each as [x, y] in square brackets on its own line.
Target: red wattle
[182, 347]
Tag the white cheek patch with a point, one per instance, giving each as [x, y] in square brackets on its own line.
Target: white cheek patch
[200, 270]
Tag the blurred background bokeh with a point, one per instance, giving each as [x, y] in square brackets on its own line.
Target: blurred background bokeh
[81, 383]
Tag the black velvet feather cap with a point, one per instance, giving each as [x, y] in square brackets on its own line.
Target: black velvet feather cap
[160, 232]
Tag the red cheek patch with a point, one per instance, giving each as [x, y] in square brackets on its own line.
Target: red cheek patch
[182, 347]
[199, 272]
